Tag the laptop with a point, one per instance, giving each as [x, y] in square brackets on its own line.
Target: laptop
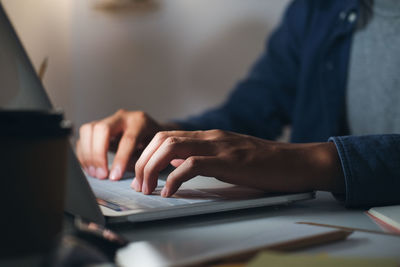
[104, 200]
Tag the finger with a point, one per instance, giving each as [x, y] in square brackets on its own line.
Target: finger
[190, 168]
[102, 132]
[177, 162]
[154, 144]
[79, 154]
[85, 133]
[125, 150]
[172, 148]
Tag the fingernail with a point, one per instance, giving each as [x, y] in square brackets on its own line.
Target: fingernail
[101, 173]
[164, 192]
[92, 171]
[115, 173]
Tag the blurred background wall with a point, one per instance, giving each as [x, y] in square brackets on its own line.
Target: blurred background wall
[171, 58]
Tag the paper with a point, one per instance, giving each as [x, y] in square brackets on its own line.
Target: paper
[282, 260]
[196, 245]
[387, 217]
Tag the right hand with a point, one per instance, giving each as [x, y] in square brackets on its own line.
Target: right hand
[127, 132]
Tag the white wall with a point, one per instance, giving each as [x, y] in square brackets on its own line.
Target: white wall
[171, 58]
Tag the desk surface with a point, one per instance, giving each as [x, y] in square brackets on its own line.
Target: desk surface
[193, 236]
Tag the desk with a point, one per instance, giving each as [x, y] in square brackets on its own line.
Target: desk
[193, 236]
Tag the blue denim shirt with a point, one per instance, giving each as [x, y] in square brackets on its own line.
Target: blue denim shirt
[300, 80]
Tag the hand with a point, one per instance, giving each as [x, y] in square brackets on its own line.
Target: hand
[127, 132]
[238, 159]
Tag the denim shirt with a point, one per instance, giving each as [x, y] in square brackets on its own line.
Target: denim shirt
[300, 80]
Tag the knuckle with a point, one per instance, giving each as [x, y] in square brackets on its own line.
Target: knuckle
[216, 132]
[120, 112]
[129, 137]
[172, 141]
[141, 114]
[101, 127]
[147, 172]
[133, 118]
[85, 128]
[138, 166]
[193, 163]
[161, 135]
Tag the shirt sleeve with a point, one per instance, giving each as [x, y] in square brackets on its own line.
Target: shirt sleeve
[262, 103]
[371, 167]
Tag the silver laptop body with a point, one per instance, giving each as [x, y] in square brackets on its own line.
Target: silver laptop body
[97, 200]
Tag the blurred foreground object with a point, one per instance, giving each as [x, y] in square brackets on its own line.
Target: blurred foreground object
[33, 164]
[126, 5]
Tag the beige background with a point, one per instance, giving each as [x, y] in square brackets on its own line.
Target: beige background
[170, 58]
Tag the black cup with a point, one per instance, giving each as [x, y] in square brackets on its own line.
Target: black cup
[33, 166]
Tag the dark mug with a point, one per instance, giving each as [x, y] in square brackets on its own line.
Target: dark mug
[33, 166]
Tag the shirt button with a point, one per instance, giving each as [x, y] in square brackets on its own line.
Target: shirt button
[342, 15]
[352, 17]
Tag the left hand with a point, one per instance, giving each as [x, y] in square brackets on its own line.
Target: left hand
[238, 159]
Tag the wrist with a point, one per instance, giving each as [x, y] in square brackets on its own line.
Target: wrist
[327, 174]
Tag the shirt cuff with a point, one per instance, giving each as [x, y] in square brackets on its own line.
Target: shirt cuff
[347, 197]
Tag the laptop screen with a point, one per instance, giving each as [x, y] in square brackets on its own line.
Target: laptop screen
[20, 86]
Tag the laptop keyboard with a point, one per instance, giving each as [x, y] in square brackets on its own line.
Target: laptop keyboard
[119, 196]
